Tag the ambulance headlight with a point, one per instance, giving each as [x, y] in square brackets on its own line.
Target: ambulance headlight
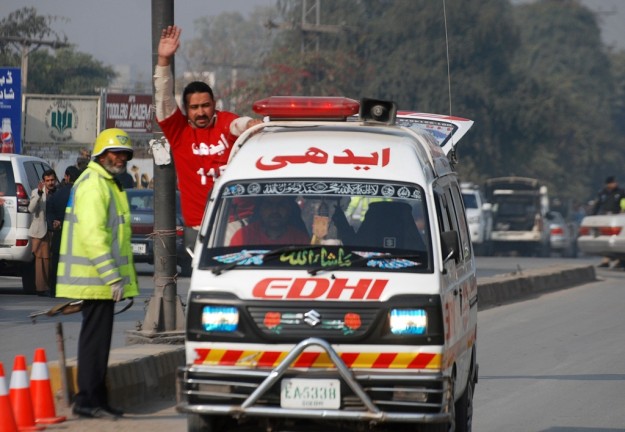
[222, 319]
[408, 321]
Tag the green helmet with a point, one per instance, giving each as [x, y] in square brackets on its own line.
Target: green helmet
[112, 140]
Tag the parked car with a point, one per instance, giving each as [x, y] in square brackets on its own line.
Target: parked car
[603, 235]
[562, 235]
[479, 217]
[142, 213]
[19, 175]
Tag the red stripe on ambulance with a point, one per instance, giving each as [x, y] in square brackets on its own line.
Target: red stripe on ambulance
[230, 357]
[272, 359]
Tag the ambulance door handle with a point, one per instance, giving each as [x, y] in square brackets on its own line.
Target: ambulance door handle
[456, 291]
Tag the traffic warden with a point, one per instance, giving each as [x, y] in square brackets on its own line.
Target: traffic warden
[96, 264]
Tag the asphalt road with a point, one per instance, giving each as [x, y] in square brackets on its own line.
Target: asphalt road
[549, 364]
[555, 363]
[18, 334]
[538, 354]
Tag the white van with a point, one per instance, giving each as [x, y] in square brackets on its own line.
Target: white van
[479, 217]
[297, 314]
[19, 176]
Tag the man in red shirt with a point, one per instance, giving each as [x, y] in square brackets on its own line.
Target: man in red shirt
[200, 140]
[276, 221]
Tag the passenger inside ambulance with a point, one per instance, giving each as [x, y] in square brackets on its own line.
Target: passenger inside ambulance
[276, 220]
[387, 224]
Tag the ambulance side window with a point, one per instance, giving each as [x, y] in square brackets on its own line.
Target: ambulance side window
[461, 221]
[442, 210]
[448, 210]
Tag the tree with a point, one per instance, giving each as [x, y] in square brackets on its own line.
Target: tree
[24, 27]
[617, 66]
[545, 96]
[66, 71]
[231, 49]
[562, 50]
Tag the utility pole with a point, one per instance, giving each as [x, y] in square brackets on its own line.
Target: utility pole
[27, 46]
[310, 27]
[164, 318]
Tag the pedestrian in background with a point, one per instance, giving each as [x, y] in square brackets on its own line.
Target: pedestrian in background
[126, 179]
[55, 214]
[38, 231]
[201, 138]
[96, 264]
[609, 202]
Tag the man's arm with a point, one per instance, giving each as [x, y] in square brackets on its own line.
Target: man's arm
[241, 124]
[164, 100]
[35, 200]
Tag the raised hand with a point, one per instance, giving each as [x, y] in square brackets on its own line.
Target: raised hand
[170, 41]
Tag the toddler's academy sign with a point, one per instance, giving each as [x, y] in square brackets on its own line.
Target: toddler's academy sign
[130, 112]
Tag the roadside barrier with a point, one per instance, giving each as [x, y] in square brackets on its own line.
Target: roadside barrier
[41, 391]
[7, 420]
[19, 393]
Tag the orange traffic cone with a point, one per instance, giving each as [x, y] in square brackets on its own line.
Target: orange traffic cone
[7, 421]
[20, 397]
[41, 391]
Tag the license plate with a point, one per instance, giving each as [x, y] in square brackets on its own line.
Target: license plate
[310, 394]
[139, 248]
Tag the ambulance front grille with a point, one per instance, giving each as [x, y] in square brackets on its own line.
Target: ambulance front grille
[301, 322]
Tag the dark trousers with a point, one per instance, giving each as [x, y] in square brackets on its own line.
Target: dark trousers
[55, 247]
[94, 345]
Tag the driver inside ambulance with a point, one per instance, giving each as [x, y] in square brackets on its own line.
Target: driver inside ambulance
[276, 221]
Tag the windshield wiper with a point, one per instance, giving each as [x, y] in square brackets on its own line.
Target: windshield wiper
[265, 255]
[383, 257]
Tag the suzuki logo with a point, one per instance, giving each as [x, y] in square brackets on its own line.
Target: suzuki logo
[312, 318]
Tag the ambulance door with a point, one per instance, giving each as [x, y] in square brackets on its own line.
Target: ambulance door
[456, 275]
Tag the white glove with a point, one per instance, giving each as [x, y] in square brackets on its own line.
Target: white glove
[117, 291]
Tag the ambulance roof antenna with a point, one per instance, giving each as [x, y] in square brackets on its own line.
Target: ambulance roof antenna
[452, 154]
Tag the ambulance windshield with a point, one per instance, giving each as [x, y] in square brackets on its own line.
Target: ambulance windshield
[333, 222]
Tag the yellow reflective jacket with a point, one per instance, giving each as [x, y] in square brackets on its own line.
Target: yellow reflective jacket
[95, 242]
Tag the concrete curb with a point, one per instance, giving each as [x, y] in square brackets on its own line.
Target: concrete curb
[507, 288]
[136, 374]
[144, 372]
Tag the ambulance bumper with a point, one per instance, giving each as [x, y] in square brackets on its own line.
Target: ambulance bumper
[374, 396]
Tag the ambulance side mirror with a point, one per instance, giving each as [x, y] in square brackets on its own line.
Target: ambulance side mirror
[450, 245]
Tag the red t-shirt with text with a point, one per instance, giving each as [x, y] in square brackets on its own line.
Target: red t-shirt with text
[198, 156]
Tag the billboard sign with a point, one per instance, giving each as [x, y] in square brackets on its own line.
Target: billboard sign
[61, 119]
[11, 109]
[130, 112]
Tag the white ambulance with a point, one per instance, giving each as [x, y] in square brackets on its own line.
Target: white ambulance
[302, 317]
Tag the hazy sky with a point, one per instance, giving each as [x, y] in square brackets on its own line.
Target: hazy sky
[118, 32]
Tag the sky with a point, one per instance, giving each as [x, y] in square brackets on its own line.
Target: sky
[118, 32]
